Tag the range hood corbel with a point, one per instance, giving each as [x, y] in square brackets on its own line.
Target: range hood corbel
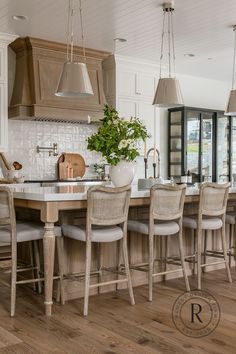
[38, 67]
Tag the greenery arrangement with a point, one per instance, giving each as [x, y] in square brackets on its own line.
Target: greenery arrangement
[117, 138]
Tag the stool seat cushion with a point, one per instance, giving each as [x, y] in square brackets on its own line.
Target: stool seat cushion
[99, 233]
[230, 219]
[162, 228]
[25, 231]
[208, 223]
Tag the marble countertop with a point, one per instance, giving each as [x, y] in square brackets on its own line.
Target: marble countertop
[75, 192]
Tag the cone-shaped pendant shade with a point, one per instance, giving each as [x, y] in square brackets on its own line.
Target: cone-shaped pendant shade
[74, 81]
[231, 106]
[168, 93]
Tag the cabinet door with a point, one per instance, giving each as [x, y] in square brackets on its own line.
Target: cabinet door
[3, 118]
[175, 143]
[223, 146]
[148, 115]
[146, 85]
[193, 129]
[233, 149]
[127, 83]
[127, 108]
[207, 144]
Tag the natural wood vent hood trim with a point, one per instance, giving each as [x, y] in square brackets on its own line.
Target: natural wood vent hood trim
[38, 68]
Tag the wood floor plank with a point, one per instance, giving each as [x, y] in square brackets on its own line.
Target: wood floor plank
[113, 326]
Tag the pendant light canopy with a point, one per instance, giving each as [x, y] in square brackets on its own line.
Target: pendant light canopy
[231, 105]
[74, 80]
[168, 93]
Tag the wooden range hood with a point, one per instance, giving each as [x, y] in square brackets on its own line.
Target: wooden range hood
[38, 68]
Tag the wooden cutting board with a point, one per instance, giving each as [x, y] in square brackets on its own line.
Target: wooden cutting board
[72, 163]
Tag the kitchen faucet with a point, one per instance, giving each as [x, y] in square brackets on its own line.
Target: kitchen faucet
[154, 163]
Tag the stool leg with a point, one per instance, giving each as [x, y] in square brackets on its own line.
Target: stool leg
[60, 253]
[225, 253]
[181, 250]
[13, 277]
[87, 276]
[166, 255]
[199, 254]
[32, 263]
[37, 263]
[205, 238]
[150, 269]
[126, 261]
[99, 264]
[194, 252]
[230, 244]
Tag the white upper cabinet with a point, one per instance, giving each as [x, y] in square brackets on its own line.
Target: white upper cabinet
[5, 39]
[130, 87]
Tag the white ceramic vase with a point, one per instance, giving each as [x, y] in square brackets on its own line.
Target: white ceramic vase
[123, 173]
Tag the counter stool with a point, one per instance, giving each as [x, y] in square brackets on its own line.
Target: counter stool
[230, 220]
[106, 221]
[11, 233]
[165, 219]
[211, 216]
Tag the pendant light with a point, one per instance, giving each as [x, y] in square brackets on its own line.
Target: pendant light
[231, 105]
[74, 80]
[168, 93]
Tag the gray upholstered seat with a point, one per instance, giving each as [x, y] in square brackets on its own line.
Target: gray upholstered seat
[230, 219]
[98, 234]
[161, 228]
[29, 231]
[165, 219]
[211, 216]
[207, 223]
[106, 221]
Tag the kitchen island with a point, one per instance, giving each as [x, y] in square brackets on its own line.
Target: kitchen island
[50, 201]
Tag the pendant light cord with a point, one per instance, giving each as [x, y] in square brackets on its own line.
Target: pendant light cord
[82, 28]
[170, 37]
[162, 41]
[234, 58]
[173, 43]
[169, 46]
[70, 32]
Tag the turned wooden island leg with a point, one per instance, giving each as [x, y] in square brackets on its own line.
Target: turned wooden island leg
[49, 251]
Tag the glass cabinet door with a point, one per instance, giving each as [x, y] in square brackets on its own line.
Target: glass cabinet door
[233, 149]
[207, 147]
[223, 146]
[175, 154]
[193, 144]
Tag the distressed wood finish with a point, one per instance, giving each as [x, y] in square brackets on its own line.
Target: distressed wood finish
[113, 326]
[34, 94]
[74, 260]
[105, 207]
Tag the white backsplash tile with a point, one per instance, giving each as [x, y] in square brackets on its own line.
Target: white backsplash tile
[24, 136]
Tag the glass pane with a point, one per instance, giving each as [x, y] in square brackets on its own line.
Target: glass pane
[234, 148]
[207, 136]
[193, 136]
[223, 149]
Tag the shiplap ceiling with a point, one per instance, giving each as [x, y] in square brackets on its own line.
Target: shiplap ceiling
[202, 27]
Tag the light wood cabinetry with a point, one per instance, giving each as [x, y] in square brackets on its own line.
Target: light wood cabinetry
[38, 68]
[129, 86]
[5, 39]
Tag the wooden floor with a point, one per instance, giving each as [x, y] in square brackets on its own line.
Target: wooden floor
[113, 326]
